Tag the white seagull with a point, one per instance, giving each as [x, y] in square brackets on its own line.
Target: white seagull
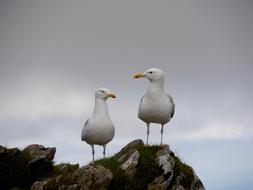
[99, 129]
[155, 106]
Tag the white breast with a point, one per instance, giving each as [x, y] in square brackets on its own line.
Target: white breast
[99, 130]
[156, 110]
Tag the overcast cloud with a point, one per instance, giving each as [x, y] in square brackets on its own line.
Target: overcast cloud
[55, 54]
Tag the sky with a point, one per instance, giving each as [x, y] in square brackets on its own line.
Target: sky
[55, 54]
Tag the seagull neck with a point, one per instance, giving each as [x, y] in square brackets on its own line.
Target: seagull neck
[100, 107]
[155, 87]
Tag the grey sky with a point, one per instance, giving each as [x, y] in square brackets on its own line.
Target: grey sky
[54, 54]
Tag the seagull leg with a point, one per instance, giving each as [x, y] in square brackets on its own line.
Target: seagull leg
[104, 146]
[93, 152]
[147, 133]
[162, 135]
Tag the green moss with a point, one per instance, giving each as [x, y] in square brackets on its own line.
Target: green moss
[120, 180]
[57, 177]
[110, 163]
[146, 170]
[182, 168]
[57, 169]
[55, 182]
[72, 167]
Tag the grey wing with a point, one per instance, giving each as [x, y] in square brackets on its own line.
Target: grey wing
[141, 102]
[141, 99]
[173, 105]
[82, 135]
[86, 122]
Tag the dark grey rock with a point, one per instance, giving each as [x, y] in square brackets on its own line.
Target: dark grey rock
[39, 152]
[17, 188]
[13, 152]
[128, 157]
[165, 160]
[130, 165]
[159, 183]
[177, 187]
[124, 154]
[69, 187]
[2, 149]
[39, 185]
[93, 177]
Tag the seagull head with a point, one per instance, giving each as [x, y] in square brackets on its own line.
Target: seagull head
[152, 74]
[104, 93]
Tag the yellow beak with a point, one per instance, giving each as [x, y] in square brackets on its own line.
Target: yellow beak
[139, 75]
[112, 95]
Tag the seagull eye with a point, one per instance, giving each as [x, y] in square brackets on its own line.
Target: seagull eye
[102, 91]
[150, 72]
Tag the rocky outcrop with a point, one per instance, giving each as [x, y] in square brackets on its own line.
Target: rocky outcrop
[128, 157]
[93, 177]
[156, 168]
[39, 152]
[21, 168]
[134, 167]
[90, 177]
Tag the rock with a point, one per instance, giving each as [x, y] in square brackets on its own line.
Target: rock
[17, 188]
[131, 163]
[48, 184]
[136, 166]
[197, 184]
[61, 178]
[39, 185]
[177, 187]
[93, 177]
[128, 157]
[39, 152]
[165, 160]
[69, 187]
[169, 171]
[2, 149]
[159, 183]
[179, 179]
[63, 168]
[124, 154]
[20, 169]
[13, 152]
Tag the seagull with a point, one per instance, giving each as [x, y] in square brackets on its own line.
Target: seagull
[99, 129]
[155, 106]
